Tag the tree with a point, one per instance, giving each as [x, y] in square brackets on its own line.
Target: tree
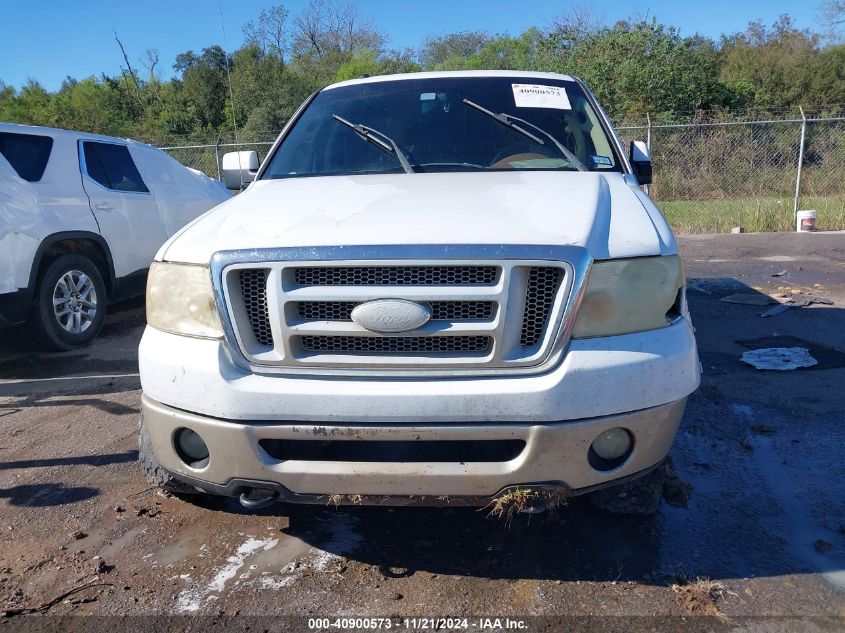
[369, 62]
[129, 75]
[448, 51]
[775, 64]
[639, 67]
[833, 12]
[326, 28]
[508, 53]
[575, 25]
[269, 31]
[203, 86]
[634, 66]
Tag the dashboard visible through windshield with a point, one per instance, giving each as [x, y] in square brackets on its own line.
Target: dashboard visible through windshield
[454, 124]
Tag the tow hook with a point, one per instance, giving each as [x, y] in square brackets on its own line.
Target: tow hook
[257, 498]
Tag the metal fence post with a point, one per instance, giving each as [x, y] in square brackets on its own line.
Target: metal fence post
[217, 156]
[800, 164]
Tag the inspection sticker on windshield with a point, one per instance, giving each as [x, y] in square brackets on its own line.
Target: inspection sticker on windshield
[536, 96]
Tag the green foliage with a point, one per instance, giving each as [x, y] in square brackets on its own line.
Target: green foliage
[634, 67]
[777, 65]
[447, 51]
[639, 67]
[369, 62]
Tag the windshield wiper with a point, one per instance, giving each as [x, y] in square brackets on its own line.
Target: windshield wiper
[372, 136]
[508, 121]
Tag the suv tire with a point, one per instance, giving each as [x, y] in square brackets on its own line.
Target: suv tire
[640, 496]
[70, 303]
[155, 474]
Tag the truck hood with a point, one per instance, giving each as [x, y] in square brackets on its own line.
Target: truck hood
[606, 213]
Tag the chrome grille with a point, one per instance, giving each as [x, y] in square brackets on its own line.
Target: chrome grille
[396, 276]
[440, 310]
[489, 310]
[388, 345]
[543, 284]
[254, 294]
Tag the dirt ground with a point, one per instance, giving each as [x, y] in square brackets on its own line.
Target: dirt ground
[760, 544]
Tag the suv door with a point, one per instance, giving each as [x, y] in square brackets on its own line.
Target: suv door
[125, 209]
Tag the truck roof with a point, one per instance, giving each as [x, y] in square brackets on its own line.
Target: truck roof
[516, 74]
[56, 132]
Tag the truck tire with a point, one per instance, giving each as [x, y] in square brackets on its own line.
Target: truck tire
[640, 496]
[70, 303]
[155, 474]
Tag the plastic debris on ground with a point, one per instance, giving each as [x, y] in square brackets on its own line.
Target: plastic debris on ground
[749, 299]
[808, 300]
[775, 310]
[779, 358]
[795, 302]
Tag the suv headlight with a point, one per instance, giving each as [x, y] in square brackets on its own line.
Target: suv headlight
[180, 300]
[630, 295]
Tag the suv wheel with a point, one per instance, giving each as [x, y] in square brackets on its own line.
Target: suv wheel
[155, 474]
[70, 303]
[640, 496]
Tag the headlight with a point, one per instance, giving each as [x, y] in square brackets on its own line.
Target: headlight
[629, 295]
[180, 300]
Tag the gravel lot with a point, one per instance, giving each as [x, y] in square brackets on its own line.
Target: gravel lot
[760, 543]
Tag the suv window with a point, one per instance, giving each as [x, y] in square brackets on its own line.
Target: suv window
[27, 153]
[112, 166]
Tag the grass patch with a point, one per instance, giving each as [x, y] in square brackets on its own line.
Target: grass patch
[753, 214]
[701, 597]
[338, 500]
[519, 500]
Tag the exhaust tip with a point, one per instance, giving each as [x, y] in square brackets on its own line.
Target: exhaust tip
[257, 498]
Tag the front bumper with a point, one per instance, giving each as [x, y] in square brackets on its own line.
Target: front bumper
[555, 455]
[598, 377]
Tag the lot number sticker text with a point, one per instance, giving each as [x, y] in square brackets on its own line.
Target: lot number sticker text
[536, 96]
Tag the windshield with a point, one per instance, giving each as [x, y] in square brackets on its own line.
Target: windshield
[445, 124]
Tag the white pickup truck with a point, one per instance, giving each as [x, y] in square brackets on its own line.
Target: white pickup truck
[81, 217]
[441, 288]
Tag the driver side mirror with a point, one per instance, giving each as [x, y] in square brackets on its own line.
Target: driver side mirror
[239, 169]
[641, 162]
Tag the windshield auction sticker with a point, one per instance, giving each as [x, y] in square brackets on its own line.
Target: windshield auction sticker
[536, 96]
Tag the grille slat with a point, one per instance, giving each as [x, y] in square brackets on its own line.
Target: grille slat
[396, 275]
[401, 344]
[254, 293]
[440, 310]
[543, 284]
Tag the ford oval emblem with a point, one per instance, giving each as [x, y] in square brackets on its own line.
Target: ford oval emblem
[391, 315]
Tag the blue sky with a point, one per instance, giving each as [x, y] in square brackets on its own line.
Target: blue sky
[50, 39]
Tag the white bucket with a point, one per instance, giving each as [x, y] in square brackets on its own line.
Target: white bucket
[805, 221]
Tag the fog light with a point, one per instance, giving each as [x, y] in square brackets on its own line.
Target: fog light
[191, 447]
[612, 444]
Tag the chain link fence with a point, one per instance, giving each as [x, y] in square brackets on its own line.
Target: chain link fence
[208, 158]
[711, 177]
[708, 177]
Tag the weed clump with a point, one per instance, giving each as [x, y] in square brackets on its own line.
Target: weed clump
[701, 597]
[524, 500]
[338, 499]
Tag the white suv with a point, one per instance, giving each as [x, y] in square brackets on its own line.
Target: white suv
[441, 288]
[81, 217]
